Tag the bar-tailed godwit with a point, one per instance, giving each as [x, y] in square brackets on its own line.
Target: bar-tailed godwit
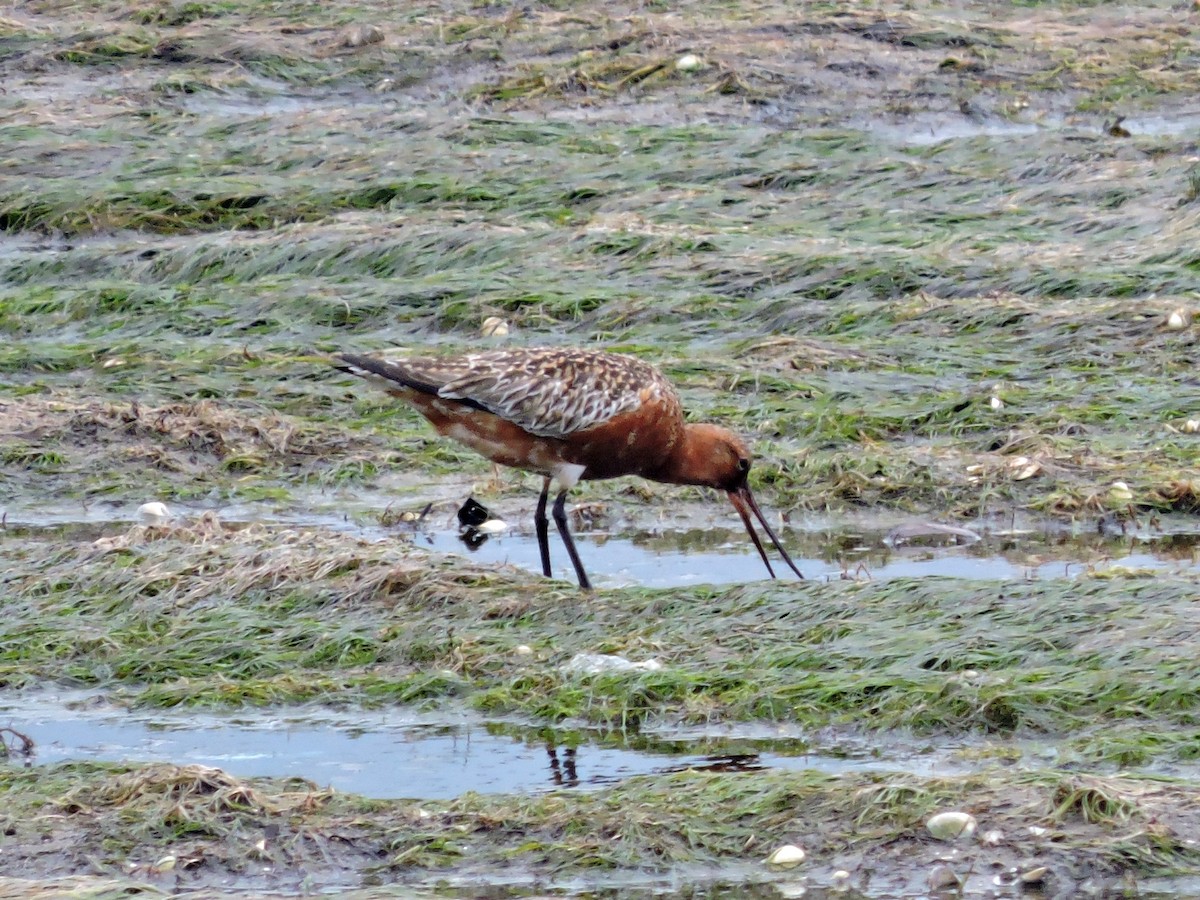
[570, 414]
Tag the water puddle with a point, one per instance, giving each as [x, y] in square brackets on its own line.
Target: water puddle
[399, 753]
[671, 554]
[924, 130]
[724, 556]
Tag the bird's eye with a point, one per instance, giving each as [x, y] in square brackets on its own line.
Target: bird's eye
[743, 465]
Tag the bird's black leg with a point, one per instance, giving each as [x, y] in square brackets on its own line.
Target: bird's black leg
[542, 526]
[560, 519]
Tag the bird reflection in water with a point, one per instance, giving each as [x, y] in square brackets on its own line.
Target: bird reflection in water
[562, 772]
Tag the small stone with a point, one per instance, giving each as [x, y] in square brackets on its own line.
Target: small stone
[786, 857]
[993, 838]
[949, 826]
[996, 403]
[523, 650]
[362, 35]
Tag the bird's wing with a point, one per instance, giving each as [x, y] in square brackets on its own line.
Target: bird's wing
[553, 392]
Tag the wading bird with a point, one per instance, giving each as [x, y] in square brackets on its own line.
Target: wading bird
[570, 414]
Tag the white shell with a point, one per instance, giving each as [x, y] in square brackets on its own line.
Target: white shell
[1034, 876]
[1024, 468]
[493, 326]
[790, 890]
[787, 856]
[523, 650]
[948, 826]
[154, 511]
[595, 663]
[1120, 491]
[1179, 319]
[996, 403]
[689, 62]
[492, 526]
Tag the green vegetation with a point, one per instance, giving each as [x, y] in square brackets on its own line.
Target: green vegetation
[199, 816]
[331, 617]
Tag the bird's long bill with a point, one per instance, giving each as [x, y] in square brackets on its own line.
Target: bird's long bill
[743, 502]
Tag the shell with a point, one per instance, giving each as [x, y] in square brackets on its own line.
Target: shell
[941, 877]
[1023, 467]
[1179, 319]
[493, 326]
[153, 511]
[786, 857]
[949, 826]
[1035, 875]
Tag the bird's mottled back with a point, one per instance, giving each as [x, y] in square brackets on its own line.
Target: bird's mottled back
[549, 392]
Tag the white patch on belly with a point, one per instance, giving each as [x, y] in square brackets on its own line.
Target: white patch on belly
[567, 475]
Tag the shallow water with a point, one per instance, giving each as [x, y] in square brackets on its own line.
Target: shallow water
[400, 753]
[672, 554]
[928, 129]
[722, 556]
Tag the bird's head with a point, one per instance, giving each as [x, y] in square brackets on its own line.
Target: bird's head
[715, 457]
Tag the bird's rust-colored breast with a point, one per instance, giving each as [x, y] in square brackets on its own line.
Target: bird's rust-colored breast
[635, 442]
